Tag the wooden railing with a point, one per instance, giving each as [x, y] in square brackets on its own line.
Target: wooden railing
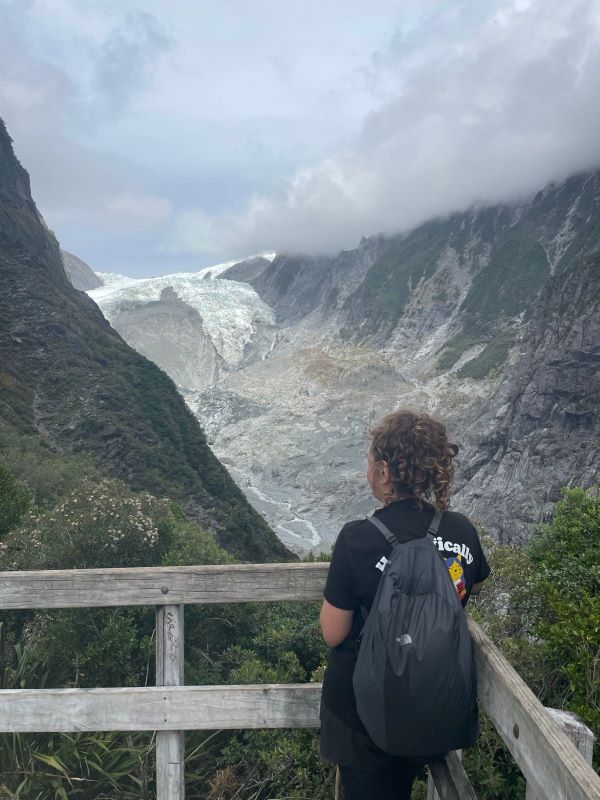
[550, 762]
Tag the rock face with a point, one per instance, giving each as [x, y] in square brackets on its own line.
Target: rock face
[466, 317]
[541, 429]
[79, 273]
[67, 375]
[487, 318]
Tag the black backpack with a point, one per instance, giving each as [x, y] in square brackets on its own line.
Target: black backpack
[414, 678]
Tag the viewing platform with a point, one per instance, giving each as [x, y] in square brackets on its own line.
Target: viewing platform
[552, 749]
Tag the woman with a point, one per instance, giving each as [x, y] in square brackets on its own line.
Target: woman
[409, 460]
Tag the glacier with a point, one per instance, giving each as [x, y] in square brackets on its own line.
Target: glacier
[232, 313]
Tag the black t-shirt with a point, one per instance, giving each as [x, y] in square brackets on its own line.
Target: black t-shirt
[357, 562]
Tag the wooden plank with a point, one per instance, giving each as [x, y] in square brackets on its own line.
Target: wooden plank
[431, 792]
[450, 779]
[155, 708]
[169, 645]
[577, 731]
[170, 774]
[581, 736]
[170, 745]
[548, 760]
[223, 583]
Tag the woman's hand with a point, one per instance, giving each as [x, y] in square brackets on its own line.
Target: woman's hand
[336, 623]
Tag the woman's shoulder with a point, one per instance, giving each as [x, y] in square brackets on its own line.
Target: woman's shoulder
[357, 533]
[356, 528]
[459, 522]
[360, 539]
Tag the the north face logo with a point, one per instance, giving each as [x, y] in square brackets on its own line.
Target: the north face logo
[382, 563]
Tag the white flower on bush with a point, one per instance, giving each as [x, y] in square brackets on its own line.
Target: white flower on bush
[93, 526]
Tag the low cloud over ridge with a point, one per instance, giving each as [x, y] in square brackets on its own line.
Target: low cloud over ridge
[481, 103]
[166, 139]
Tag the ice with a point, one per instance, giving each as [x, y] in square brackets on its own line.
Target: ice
[231, 311]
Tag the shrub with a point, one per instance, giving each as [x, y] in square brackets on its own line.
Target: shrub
[564, 553]
[15, 500]
[96, 525]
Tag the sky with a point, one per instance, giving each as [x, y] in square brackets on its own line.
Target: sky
[168, 136]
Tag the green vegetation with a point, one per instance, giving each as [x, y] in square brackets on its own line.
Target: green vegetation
[517, 270]
[565, 556]
[541, 606]
[500, 289]
[331, 301]
[493, 355]
[66, 374]
[377, 304]
[15, 500]
[454, 349]
[490, 359]
[72, 517]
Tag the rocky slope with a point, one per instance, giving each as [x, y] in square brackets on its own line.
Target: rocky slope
[65, 373]
[541, 430]
[81, 275]
[486, 318]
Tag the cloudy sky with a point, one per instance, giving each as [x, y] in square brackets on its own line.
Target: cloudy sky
[164, 136]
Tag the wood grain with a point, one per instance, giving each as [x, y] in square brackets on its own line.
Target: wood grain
[156, 708]
[450, 779]
[581, 736]
[229, 583]
[170, 745]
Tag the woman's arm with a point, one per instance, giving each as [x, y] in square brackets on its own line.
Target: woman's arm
[336, 623]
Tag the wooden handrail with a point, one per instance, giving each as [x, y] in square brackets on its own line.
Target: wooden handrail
[153, 586]
[530, 734]
[550, 763]
[160, 708]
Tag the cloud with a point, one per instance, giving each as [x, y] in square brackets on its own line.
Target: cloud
[50, 101]
[479, 103]
[187, 132]
[127, 57]
[136, 212]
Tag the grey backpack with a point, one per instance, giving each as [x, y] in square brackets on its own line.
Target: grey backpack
[414, 678]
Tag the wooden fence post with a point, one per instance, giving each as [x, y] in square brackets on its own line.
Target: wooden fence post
[581, 736]
[450, 778]
[170, 745]
[431, 791]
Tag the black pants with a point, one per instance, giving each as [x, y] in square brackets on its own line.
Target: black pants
[390, 782]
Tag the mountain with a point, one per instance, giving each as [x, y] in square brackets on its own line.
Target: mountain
[540, 430]
[81, 275]
[488, 318]
[193, 325]
[67, 375]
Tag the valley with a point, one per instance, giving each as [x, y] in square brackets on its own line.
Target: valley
[287, 360]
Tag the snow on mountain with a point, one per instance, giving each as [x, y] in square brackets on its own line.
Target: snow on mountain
[232, 313]
[219, 269]
[112, 280]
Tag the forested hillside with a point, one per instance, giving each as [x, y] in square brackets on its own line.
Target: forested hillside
[67, 376]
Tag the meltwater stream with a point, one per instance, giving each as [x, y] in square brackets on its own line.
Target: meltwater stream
[297, 532]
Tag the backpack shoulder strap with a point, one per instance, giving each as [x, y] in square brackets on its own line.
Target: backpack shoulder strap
[435, 523]
[433, 528]
[383, 529]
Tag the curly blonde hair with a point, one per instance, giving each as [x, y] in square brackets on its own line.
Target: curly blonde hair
[419, 456]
